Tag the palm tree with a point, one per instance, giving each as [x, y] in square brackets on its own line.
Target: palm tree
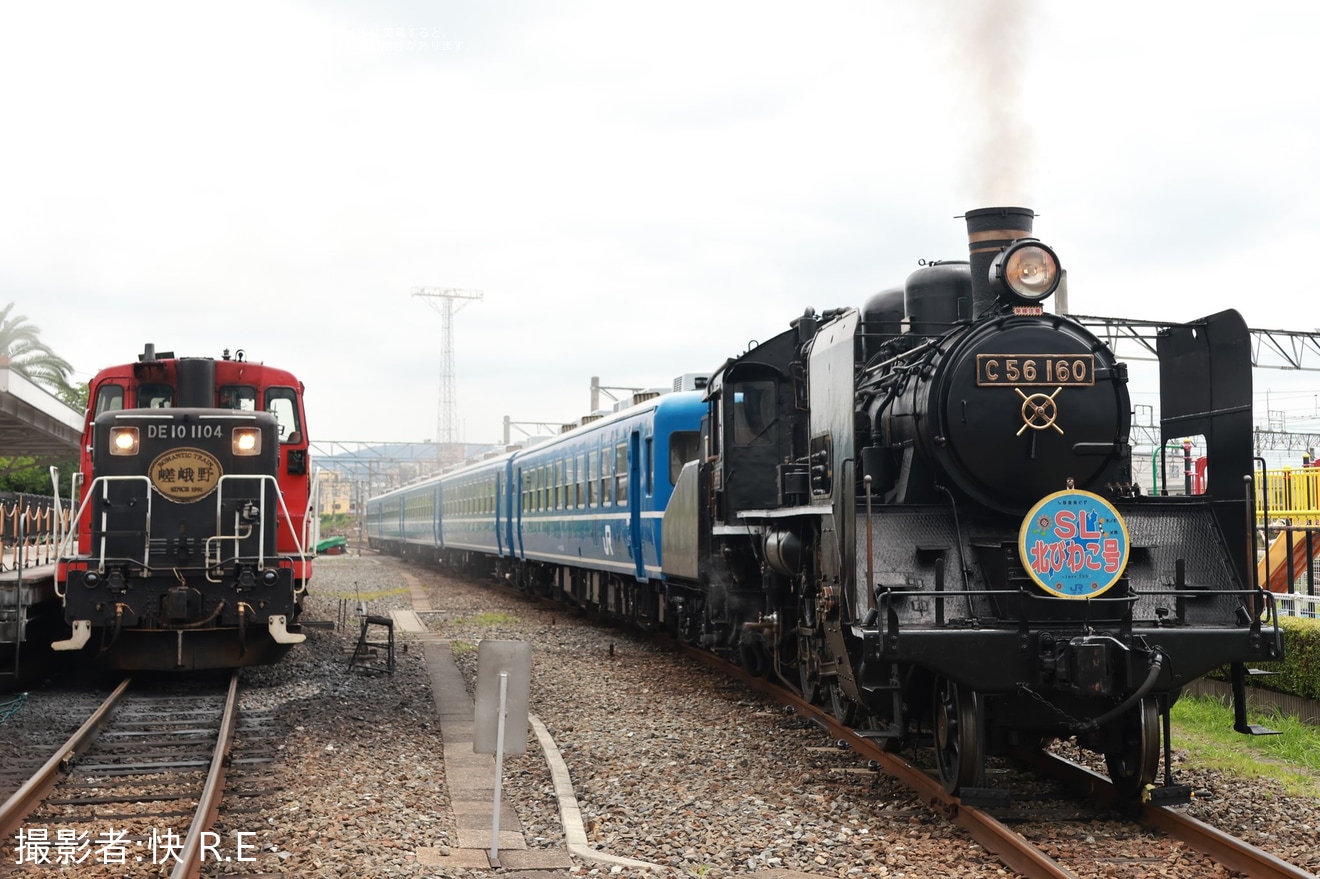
[21, 346]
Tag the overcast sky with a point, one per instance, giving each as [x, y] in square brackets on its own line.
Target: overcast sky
[638, 190]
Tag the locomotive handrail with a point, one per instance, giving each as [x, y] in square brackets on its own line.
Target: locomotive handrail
[82, 508]
[1250, 595]
[64, 546]
[309, 514]
[220, 535]
[59, 510]
[933, 343]
[261, 537]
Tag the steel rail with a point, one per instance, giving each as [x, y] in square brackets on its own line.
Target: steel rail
[189, 864]
[34, 790]
[1012, 849]
[1222, 847]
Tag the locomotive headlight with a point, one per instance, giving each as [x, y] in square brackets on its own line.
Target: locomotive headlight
[247, 441]
[123, 440]
[1029, 269]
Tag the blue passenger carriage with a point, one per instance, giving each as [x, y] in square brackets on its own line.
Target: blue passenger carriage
[447, 516]
[474, 514]
[384, 522]
[579, 515]
[589, 504]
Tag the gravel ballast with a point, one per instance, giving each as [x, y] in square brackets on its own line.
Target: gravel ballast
[670, 763]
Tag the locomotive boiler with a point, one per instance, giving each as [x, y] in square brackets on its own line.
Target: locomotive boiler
[189, 542]
[924, 514]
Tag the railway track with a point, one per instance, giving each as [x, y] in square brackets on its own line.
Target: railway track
[139, 783]
[1166, 831]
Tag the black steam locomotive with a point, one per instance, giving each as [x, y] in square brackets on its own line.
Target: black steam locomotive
[924, 514]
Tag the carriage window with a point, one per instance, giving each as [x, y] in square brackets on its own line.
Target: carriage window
[621, 474]
[581, 478]
[648, 466]
[155, 396]
[683, 445]
[753, 413]
[109, 398]
[559, 485]
[242, 397]
[591, 479]
[605, 478]
[283, 404]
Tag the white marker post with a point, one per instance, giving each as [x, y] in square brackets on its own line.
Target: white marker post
[504, 672]
[499, 770]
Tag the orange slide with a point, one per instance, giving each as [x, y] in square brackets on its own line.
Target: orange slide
[1272, 570]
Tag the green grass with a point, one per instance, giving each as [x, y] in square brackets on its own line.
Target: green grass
[1203, 728]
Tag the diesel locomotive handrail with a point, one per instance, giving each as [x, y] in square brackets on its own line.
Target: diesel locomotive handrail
[237, 536]
[105, 480]
[87, 499]
[311, 521]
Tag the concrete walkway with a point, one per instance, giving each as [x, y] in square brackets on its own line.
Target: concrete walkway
[471, 781]
[470, 776]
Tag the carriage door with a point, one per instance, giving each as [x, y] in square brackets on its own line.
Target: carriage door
[440, 516]
[633, 486]
[501, 547]
[515, 514]
[437, 500]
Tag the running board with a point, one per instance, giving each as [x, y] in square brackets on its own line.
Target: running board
[1240, 723]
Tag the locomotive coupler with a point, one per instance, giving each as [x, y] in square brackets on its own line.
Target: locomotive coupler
[1087, 665]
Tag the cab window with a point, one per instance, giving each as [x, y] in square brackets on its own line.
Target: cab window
[109, 398]
[283, 404]
[683, 447]
[155, 396]
[753, 413]
[242, 397]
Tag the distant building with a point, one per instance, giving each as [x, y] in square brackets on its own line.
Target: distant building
[334, 493]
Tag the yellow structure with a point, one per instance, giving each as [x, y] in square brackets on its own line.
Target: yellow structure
[334, 493]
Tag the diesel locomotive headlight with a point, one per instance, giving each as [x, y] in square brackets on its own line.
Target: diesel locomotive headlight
[1028, 268]
[247, 441]
[123, 440]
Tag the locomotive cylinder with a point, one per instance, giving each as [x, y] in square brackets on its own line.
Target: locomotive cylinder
[783, 552]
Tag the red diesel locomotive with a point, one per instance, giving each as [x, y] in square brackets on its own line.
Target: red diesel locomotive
[189, 544]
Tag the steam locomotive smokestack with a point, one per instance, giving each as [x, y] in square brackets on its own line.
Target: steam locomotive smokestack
[990, 230]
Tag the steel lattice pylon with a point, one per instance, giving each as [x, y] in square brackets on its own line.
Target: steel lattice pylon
[446, 301]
